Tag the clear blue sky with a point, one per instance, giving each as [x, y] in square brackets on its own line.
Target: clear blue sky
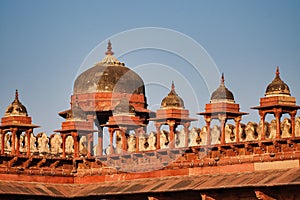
[43, 44]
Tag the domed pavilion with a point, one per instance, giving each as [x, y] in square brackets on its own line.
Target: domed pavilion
[100, 88]
[222, 107]
[172, 113]
[16, 121]
[76, 125]
[124, 119]
[277, 101]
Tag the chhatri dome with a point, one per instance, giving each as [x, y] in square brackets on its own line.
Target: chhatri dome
[222, 94]
[16, 108]
[277, 87]
[172, 100]
[109, 75]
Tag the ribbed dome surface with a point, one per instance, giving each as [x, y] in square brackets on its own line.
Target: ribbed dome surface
[222, 93]
[172, 100]
[16, 108]
[102, 78]
[109, 75]
[277, 86]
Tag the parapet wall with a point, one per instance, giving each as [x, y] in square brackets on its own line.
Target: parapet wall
[46, 164]
[43, 145]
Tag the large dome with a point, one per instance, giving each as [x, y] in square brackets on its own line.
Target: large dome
[222, 94]
[277, 87]
[109, 75]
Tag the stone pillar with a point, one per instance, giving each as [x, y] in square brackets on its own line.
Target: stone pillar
[172, 127]
[76, 144]
[277, 114]
[18, 135]
[157, 126]
[13, 140]
[222, 119]
[63, 137]
[292, 115]
[237, 128]
[262, 119]
[28, 135]
[111, 139]
[90, 145]
[2, 141]
[208, 136]
[91, 119]
[124, 141]
[137, 137]
[100, 141]
[186, 126]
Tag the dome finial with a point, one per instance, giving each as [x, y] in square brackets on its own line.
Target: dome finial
[109, 49]
[222, 79]
[17, 95]
[277, 71]
[173, 86]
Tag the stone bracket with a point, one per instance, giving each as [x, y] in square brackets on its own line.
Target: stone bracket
[28, 162]
[261, 195]
[43, 161]
[55, 164]
[13, 161]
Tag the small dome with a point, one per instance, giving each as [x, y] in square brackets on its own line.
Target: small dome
[124, 108]
[172, 100]
[277, 87]
[76, 113]
[16, 108]
[222, 94]
[109, 75]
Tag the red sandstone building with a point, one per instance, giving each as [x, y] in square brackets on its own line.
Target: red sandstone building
[226, 161]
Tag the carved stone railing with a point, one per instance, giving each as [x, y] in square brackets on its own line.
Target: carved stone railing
[42, 145]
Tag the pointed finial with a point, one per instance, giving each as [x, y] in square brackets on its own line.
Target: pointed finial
[222, 79]
[17, 95]
[109, 49]
[173, 86]
[277, 71]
